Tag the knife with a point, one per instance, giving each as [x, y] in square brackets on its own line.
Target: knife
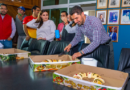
[62, 53]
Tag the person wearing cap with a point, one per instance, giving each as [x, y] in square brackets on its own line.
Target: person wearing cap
[19, 25]
[30, 32]
[7, 27]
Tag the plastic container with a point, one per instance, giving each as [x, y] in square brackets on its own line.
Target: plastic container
[57, 34]
[89, 61]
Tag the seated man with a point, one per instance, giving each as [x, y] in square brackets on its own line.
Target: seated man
[61, 25]
[7, 27]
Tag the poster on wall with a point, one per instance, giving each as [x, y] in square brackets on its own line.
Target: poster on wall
[112, 31]
[114, 3]
[102, 15]
[125, 3]
[125, 16]
[113, 17]
[101, 4]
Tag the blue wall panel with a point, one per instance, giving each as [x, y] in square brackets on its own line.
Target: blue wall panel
[123, 37]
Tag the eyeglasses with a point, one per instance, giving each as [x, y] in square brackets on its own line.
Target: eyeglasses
[3, 8]
[63, 15]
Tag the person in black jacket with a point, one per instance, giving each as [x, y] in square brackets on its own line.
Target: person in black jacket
[69, 30]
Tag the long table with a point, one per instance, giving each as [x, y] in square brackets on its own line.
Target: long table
[18, 75]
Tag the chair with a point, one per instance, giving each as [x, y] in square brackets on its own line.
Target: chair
[124, 63]
[56, 47]
[38, 47]
[101, 54]
[25, 44]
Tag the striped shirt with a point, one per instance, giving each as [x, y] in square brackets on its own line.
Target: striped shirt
[94, 30]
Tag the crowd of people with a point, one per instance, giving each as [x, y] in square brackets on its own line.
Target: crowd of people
[37, 26]
[73, 29]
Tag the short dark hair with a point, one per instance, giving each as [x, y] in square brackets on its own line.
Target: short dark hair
[65, 13]
[34, 7]
[76, 9]
[100, 14]
[2, 4]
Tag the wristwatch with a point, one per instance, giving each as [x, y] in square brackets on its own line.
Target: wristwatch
[81, 52]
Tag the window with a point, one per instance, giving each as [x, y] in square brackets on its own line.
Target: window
[55, 15]
[55, 7]
[74, 1]
[54, 2]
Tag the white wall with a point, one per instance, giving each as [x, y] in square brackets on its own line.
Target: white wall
[89, 8]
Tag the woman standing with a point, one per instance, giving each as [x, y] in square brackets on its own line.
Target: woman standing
[45, 28]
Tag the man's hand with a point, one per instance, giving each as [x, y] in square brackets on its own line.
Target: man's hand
[44, 38]
[39, 38]
[9, 39]
[26, 32]
[67, 48]
[38, 19]
[76, 55]
[27, 38]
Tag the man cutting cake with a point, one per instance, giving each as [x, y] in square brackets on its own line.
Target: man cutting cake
[91, 27]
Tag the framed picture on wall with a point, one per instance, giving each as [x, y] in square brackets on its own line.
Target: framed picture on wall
[102, 15]
[125, 16]
[125, 3]
[112, 31]
[101, 4]
[113, 17]
[114, 3]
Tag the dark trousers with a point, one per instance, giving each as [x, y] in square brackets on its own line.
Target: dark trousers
[80, 45]
[111, 56]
